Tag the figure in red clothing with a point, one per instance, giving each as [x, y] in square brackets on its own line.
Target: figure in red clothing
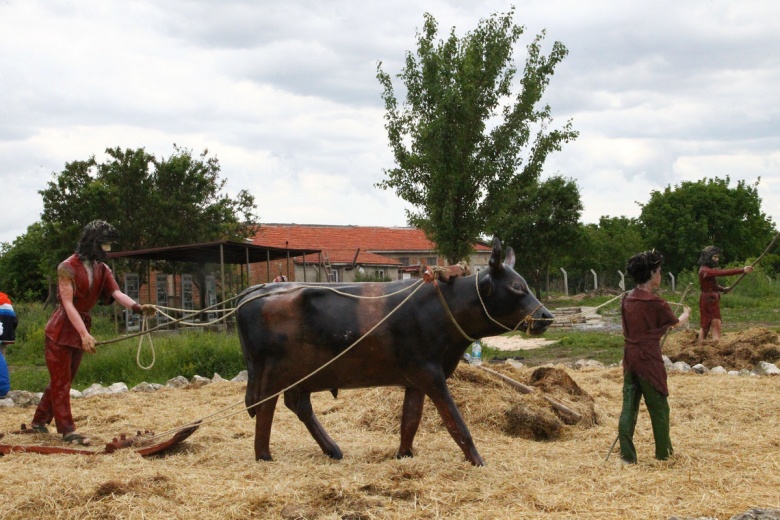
[709, 301]
[82, 280]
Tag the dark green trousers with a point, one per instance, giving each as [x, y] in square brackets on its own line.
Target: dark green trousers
[634, 388]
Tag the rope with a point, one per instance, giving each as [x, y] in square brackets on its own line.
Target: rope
[144, 325]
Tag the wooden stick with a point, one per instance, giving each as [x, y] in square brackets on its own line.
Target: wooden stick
[529, 390]
[768, 248]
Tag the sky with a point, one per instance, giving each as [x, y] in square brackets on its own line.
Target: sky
[285, 95]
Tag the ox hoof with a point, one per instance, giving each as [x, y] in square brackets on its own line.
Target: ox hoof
[267, 458]
[335, 455]
[404, 454]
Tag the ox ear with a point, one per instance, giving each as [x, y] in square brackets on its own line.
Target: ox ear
[509, 261]
[496, 267]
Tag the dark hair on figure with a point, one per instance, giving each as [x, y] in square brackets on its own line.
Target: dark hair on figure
[705, 258]
[641, 265]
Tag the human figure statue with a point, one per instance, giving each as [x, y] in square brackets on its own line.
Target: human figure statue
[82, 280]
[709, 301]
[645, 318]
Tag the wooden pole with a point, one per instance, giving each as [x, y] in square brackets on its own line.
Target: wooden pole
[576, 416]
[768, 248]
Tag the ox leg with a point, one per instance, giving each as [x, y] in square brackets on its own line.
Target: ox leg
[264, 416]
[410, 420]
[435, 387]
[300, 404]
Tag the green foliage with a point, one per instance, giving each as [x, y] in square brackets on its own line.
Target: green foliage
[681, 221]
[542, 219]
[21, 264]
[462, 133]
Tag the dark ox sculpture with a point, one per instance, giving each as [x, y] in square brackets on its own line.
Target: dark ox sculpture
[288, 335]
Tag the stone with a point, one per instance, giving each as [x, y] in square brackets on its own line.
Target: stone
[146, 387]
[758, 513]
[198, 381]
[6, 402]
[118, 388]
[242, 377]
[96, 389]
[590, 363]
[718, 370]
[700, 369]
[23, 397]
[766, 369]
[218, 378]
[681, 366]
[177, 382]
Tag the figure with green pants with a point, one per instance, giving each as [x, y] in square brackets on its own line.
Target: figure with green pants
[646, 317]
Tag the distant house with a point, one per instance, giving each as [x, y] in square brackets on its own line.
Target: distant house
[392, 253]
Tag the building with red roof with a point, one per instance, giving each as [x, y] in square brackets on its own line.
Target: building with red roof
[382, 253]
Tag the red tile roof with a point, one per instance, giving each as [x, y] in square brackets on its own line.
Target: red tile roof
[343, 237]
[341, 242]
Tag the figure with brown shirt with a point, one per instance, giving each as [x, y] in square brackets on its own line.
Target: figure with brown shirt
[645, 318]
[709, 301]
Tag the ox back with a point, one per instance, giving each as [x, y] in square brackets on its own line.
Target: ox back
[289, 333]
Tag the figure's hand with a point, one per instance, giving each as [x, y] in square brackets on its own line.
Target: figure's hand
[88, 344]
[148, 310]
[748, 268]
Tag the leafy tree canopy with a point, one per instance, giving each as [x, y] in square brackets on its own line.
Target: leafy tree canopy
[541, 224]
[681, 220]
[467, 127]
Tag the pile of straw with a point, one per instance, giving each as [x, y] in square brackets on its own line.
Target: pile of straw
[735, 350]
[724, 430]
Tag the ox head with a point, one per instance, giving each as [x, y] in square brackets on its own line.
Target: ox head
[507, 297]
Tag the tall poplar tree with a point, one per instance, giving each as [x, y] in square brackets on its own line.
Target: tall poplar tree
[468, 126]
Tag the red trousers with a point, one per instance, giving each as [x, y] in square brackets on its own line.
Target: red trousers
[63, 364]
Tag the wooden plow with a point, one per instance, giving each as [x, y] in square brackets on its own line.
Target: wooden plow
[138, 442]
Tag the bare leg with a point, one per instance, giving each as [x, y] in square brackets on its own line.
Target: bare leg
[410, 420]
[716, 326]
[300, 403]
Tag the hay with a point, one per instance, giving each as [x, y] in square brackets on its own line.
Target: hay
[724, 430]
[735, 350]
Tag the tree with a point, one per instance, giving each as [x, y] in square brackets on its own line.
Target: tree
[462, 133]
[681, 221]
[541, 223]
[153, 202]
[612, 242]
[21, 264]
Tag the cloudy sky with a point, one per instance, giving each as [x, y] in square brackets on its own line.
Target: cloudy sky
[285, 95]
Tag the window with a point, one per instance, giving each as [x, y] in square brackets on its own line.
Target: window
[404, 260]
[432, 260]
[132, 289]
